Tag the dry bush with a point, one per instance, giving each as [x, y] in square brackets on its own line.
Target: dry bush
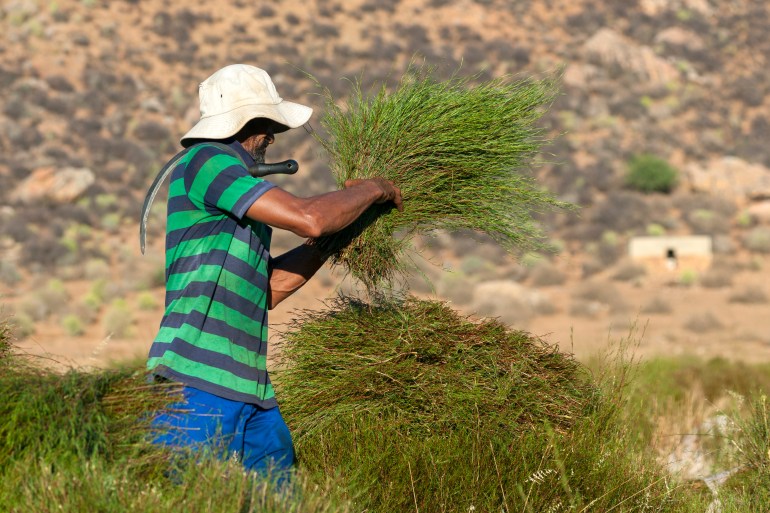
[456, 287]
[708, 222]
[9, 273]
[758, 240]
[750, 295]
[23, 326]
[703, 322]
[545, 274]
[604, 293]
[118, 319]
[629, 271]
[716, 278]
[586, 308]
[657, 305]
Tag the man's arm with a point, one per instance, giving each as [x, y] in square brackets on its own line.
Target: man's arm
[323, 214]
[291, 270]
[313, 217]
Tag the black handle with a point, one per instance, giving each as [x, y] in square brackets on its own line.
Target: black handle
[287, 167]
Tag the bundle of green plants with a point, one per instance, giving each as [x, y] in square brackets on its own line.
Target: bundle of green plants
[415, 408]
[459, 150]
[423, 364]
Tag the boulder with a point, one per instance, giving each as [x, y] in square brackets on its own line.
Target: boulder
[658, 7]
[58, 185]
[614, 51]
[760, 211]
[677, 36]
[730, 177]
[508, 300]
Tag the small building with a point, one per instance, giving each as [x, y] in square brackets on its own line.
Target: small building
[671, 253]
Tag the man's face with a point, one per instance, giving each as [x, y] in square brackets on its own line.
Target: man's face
[263, 136]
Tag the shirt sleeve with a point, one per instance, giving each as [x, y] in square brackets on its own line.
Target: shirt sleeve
[218, 181]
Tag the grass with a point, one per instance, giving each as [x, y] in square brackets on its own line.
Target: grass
[460, 153]
[416, 408]
[392, 417]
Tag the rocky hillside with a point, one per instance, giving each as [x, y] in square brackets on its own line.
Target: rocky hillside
[96, 94]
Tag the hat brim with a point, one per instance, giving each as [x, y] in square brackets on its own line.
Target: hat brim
[227, 124]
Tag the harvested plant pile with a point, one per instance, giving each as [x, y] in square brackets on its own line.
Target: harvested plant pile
[458, 151]
[421, 364]
[416, 408]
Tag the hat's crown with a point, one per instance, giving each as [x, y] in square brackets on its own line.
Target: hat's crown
[235, 86]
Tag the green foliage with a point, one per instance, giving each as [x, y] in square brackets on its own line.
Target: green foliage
[416, 408]
[78, 441]
[72, 325]
[648, 173]
[688, 277]
[422, 362]
[456, 150]
[146, 301]
[655, 230]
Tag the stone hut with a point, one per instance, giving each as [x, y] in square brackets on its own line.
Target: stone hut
[668, 254]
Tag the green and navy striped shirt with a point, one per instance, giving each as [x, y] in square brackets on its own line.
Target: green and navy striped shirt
[213, 335]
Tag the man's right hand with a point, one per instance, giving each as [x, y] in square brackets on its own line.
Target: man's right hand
[387, 188]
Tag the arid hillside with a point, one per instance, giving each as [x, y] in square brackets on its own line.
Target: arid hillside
[96, 93]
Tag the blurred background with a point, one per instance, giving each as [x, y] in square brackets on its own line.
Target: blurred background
[660, 135]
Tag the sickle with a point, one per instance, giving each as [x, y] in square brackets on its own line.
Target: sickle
[288, 167]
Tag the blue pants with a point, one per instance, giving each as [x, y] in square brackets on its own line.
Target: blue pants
[259, 438]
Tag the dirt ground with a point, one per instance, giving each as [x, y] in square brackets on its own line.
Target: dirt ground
[732, 330]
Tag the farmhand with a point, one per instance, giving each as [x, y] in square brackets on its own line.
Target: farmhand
[221, 279]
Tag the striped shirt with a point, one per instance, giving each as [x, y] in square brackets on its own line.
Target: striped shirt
[213, 334]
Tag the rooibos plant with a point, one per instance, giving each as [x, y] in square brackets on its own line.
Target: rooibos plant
[456, 149]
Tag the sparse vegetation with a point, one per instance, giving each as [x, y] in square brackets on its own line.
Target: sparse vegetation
[72, 325]
[758, 240]
[716, 278]
[657, 305]
[629, 271]
[703, 322]
[750, 294]
[118, 319]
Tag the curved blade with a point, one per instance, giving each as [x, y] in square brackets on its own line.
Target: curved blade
[151, 193]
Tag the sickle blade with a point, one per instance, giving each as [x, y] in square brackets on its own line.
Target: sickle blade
[151, 193]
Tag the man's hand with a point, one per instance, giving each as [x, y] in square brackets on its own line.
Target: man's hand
[389, 192]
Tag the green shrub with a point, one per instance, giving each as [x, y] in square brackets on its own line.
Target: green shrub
[72, 325]
[688, 277]
[648, 173]
[146, 301]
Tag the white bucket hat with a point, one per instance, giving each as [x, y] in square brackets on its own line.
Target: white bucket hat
[235, 95]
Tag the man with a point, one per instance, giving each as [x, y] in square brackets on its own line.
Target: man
[220, 277]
